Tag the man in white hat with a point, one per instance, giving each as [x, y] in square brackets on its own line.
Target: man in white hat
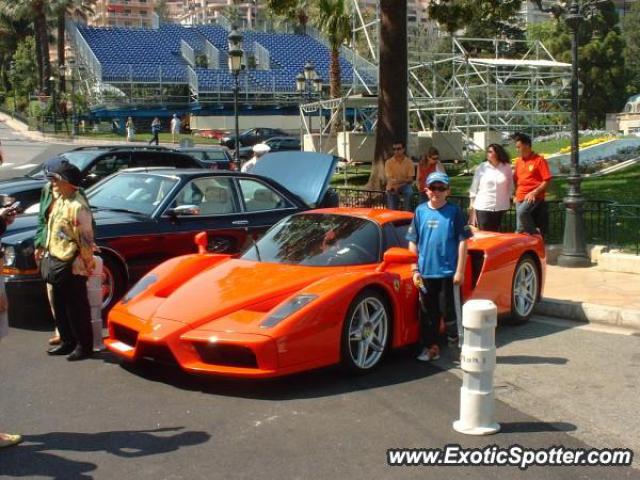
[258, 151]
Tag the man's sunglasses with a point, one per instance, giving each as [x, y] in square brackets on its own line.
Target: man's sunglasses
[434, 188]
[397, 148]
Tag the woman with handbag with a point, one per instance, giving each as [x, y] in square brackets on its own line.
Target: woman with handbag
[6, 217]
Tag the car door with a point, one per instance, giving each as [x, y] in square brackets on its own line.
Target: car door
[263, 205]
[105, 165]
[210, 204]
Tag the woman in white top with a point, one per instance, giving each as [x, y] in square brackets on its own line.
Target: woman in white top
[491, 189]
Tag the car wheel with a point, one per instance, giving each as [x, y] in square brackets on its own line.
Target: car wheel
[366, 332]
[525, 290]
[113, 284]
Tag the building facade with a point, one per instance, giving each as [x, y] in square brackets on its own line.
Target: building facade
[123, 13]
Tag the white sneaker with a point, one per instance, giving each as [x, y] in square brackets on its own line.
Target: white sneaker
[429, 354]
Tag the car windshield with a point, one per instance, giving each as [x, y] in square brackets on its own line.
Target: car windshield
[131, 192]
[208, 155]
[80, 159]
[319, 240]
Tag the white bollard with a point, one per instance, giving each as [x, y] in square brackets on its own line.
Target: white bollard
[94, 292]
[478, 361]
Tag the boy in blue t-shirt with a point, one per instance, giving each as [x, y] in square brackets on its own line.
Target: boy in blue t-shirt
[438, 235]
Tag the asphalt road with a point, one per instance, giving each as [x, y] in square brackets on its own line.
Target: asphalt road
[98, 419]
[22, 154]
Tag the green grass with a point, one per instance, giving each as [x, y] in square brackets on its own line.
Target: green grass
[619, 187]
[142, 137]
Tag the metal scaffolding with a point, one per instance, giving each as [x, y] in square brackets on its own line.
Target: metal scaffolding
[480, 84]
[500, 92]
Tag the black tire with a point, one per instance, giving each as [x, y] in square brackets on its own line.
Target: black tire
[113, 269]
[525, 290]
[378, 337]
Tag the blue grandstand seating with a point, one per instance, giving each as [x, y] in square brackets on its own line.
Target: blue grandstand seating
[153, 55]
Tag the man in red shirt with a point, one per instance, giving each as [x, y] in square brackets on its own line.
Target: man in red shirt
[531, 176]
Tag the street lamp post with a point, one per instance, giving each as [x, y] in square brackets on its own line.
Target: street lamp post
[574, 246]
[307, 83]
[52, 89]
[235, 66]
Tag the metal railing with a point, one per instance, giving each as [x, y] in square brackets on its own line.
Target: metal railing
[224, 22]
[144, 73]
[187, 53]
[213, 55]
[83, 51]
[606, 223]
[192, 77]
[263, 59]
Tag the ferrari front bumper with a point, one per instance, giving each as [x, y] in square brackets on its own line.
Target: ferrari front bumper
[197, 351]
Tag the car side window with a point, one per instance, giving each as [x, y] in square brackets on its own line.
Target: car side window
[401, 228]
[211, 196]
[257, 196]
[109, 164]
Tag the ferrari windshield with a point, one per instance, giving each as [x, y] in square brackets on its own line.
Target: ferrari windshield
[319, 240]
[133, 192]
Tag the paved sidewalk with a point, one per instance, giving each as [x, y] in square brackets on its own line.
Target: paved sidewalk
[592, 295]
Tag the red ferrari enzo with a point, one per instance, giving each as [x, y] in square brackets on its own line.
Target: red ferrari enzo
[321, 287]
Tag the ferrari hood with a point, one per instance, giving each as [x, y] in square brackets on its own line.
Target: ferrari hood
[306, 174]
[232, 286]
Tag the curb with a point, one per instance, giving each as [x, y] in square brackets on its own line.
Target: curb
[589, 312]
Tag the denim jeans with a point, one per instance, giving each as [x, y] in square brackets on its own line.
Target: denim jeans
[525, 222]
[393, 198]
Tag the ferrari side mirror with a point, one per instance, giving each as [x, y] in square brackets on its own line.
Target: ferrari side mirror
[201, 239]
[397, 256]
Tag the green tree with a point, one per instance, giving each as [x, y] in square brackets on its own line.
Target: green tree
[601, 62]
[162, 10]
[334, 20]
[34, 11]
[478, 18]
[631, 35]
[11, 32]
[25, 66]
[297, 11]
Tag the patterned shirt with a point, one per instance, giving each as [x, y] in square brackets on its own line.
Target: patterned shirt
[70, 230]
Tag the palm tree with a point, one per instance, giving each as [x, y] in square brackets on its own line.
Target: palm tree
[392, 97]
[334, 20]
[34, 11]
[60, 10]
[293, 10]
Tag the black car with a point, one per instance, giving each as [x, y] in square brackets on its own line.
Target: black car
[214, 157]
[250, 137]
[276, 144]
[95, 163]
[146, 216]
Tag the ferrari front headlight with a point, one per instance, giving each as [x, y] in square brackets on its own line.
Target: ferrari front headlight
[287, 309]
[9, 256]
